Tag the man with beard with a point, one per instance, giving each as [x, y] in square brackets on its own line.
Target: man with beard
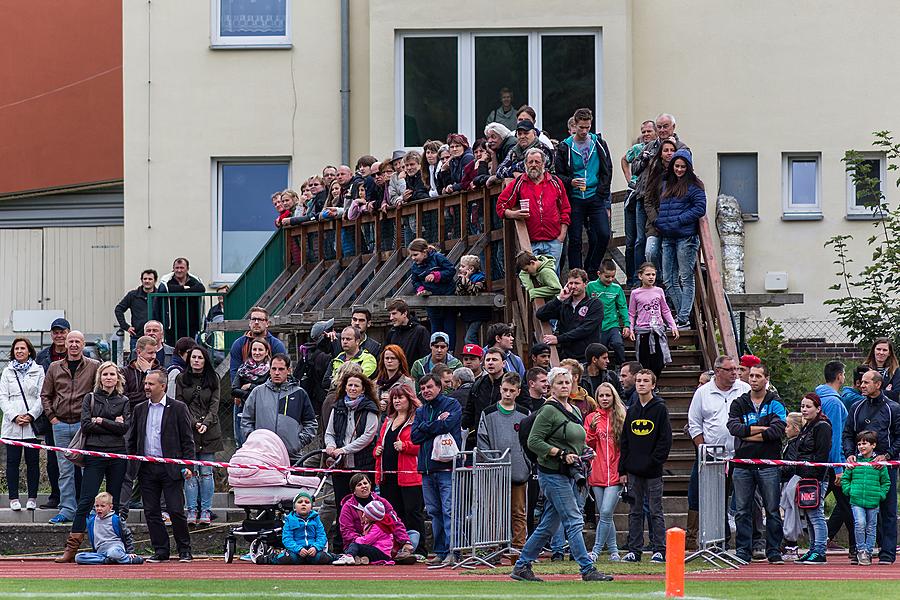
[539, 198]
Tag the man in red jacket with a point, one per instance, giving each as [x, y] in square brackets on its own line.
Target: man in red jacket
[542, 203]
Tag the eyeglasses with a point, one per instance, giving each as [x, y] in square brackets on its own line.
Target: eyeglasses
[258, 319]
[731, 370]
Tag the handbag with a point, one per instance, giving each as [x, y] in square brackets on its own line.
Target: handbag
[444, 448]
[78, 442]
[808, 494]
[41, 425]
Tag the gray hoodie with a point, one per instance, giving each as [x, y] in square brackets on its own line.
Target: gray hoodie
[498, 431]
[284, 409]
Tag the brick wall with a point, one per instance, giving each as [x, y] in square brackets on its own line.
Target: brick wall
[818, 349]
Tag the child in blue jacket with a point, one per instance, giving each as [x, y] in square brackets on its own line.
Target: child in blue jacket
[303, 537]
[110, 537]
[432, 275]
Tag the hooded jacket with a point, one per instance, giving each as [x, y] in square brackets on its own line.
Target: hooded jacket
[880, 415]
[579, 326]
[866, 486]
[743, 415]
[299, 533]
[351, 525]
[413, 338]
[426, 427]
[679, 215]
[834, 409]
[284, 409]
[438, 265]
[545, 282]
[601, 438]
[850, 396]
[646, 439]
[458, 167]
[599, 180]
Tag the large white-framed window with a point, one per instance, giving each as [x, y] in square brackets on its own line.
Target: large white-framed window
[451, 81]
[242, 209]
[865, 206]
[802, 181]
[250, 24]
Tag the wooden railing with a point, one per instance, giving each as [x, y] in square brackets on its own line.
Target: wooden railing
[711, 311]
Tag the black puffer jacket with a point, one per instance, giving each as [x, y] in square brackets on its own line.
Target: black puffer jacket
[108, 436]
[203, 404]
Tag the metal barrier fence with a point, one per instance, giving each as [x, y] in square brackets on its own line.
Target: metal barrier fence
[712, 465]
[481, 496]
[187, 315]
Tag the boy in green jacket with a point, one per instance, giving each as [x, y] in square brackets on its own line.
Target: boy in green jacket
[538, 275]
[866, 487]
[615, 310]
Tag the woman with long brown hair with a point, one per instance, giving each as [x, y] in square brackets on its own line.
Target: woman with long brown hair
[883, 359]
[393, 369]
[604, 427]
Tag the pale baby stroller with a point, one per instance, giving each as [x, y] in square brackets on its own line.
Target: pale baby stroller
[265, 495]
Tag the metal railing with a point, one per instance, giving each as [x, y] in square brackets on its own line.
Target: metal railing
[187, 315]
[481, 497]
[713, 500]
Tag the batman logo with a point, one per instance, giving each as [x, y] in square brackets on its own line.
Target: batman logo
[642, 427]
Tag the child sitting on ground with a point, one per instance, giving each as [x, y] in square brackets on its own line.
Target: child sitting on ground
[538, 275]
[866, 487]
[615, 310]
[110, 537]
[376, 542]
[303, 537]
[470, 281]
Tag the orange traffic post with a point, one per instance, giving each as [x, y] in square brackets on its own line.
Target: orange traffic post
[675, 563]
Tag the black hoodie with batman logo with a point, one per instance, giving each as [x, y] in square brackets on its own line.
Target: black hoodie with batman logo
[646, 439]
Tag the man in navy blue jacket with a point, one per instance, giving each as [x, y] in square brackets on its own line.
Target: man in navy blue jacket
[439, 414]
[259, 329]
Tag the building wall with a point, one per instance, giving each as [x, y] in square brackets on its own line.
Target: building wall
[739, 77]
[770, 77]
[61, 96]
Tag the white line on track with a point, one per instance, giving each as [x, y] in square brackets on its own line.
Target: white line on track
[300, 595]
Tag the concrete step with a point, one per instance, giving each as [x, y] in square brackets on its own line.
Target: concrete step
[25, 538]
[39, 516]
[220, 500]
[680, 357]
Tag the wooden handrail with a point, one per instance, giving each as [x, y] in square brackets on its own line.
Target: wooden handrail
[716, 290]
[523, 242]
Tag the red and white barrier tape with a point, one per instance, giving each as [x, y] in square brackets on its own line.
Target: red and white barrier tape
[803, 463]
[187, 462]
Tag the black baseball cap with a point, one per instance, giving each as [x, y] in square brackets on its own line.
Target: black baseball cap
[60, 324]
[526, 125]
[539, 349]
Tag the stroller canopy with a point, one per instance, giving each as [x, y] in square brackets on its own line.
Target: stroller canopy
[264, 447]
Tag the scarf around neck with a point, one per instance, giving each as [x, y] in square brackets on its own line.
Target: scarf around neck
[21, 368]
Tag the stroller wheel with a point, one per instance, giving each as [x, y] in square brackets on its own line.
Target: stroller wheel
[230, 549]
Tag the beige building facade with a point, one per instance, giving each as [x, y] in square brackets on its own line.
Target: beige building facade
[224, 100]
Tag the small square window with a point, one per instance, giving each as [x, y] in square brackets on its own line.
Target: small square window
[866, 203]
[802, 186]
[738, 177]
[250, 24]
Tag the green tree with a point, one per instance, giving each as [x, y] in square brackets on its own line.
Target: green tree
[767, 341]
[868, 306]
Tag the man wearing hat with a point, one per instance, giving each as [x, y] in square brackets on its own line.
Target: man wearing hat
[584, 164]
[540, 355]
[526, 139]
[440, 354]
[748, 361]
[471, 356]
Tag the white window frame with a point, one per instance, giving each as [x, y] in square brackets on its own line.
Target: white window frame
[216, 212]
[864, 211]
[465, 49]
[800, 211]
[228, 42]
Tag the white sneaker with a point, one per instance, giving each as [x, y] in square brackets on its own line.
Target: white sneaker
[593, 556]
[15, 504]
[344, 559]
[31, 504]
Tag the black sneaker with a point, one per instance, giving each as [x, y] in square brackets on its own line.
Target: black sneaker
[814, 558]
[854, 557]
[558, 557]
[776, 559]
[595, 575]
[51, 504]
[631, 557]
[524, 574]
[158, 558]
[185, 557]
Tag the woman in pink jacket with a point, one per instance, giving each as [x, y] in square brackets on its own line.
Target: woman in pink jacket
[377, 540]
[353, 525]
[604, 427]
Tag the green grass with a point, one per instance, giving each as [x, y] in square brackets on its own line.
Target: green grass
[452, 589]
[645, 567]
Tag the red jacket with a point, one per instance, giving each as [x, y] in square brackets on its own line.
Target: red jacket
[407, 461]
[605, 464]
[549, 207]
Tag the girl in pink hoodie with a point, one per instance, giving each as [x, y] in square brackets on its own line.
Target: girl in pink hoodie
[604, 427]
[376, 542]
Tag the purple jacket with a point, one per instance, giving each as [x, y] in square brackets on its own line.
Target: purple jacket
[351, 523]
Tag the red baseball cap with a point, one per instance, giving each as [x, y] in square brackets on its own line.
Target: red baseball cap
[473, 350]
[748, 360]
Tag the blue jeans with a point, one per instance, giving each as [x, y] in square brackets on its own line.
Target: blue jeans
[201, 482]
[679, 256]
[238, 436]
[561, 506]
[114, 554]
[472, 333]
[635, 240]
[865, 524]
[652, 252]
[442, 319]
[590, 213]
[818, 529]
[606, 499]
[887, 521]
[768, 482]
[612, 339]
[436, 491]
[63, 434]
[549, 248]
[558, 541]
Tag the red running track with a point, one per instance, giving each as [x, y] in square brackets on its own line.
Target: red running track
[836, 569]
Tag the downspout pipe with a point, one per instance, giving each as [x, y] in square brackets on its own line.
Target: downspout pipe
[345, 82]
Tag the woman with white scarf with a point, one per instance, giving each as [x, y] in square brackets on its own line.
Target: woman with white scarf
[20, 401]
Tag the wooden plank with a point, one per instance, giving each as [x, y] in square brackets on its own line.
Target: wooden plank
[717, 289]
[276, 286]
[704, 319]
[383, 272]
[304, 287]
[490, 300]
[275, 301]
[393, 276]
[337, 284]
[750, 301]
[307, 300]
[523, 242]
[350, 290]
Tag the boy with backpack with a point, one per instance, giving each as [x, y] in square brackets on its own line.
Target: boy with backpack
[498, 430]
[112, 541]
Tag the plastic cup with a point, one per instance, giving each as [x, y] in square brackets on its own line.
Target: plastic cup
[525, 204]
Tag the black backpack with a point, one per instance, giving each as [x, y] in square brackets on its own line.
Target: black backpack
[527, 423]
